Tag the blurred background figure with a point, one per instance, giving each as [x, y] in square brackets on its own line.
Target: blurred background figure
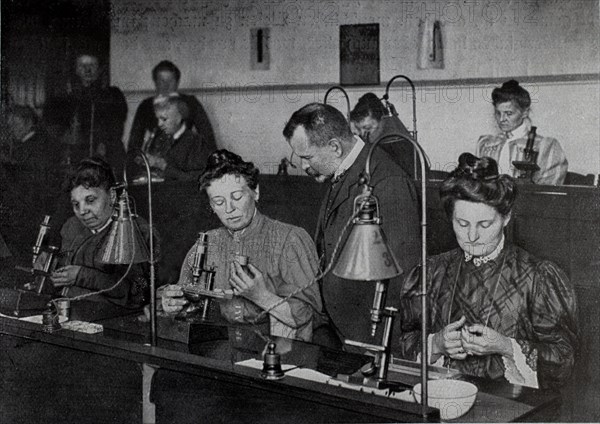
[166, 76]
[372, 121]
[30, 175]
[90, 118]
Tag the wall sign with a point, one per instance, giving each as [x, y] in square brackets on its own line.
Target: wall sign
[359, 54]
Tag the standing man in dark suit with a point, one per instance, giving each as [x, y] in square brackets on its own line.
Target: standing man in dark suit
[320, 135]
[145, 125]
[90, 118]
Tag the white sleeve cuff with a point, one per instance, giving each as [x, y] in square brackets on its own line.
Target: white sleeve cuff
[517, 370]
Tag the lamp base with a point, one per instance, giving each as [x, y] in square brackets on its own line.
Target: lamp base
[359, 379]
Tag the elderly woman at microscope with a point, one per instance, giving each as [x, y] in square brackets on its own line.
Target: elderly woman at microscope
[282, 260]
[81, 268]
[496, 311]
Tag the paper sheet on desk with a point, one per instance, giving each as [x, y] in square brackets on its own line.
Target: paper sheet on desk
[304, 373]
[312, 375]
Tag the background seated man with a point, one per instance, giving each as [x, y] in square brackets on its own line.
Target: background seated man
[177, 153]
[81, 270]
[166, 76]
[281, 257]
[496, 311]
[371, 122]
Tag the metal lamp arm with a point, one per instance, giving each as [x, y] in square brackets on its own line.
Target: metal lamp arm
[139, 152]
[423, 294]
[337, 87]
[414, 98]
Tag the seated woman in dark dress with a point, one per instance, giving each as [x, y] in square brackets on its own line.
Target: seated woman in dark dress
[81, 269]
[496, 311]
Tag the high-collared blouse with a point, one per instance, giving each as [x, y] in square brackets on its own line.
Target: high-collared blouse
[551, 157]
[521, 297]
[286, 256]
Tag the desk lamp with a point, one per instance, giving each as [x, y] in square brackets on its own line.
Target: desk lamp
[366, 257]
[337, 87]
[125, 244]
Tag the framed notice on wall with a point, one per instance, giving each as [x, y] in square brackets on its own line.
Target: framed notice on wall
[359, 54]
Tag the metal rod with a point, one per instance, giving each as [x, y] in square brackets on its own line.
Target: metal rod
[414, 99]
[337, 87]
[151, 244]
[423, 294]
[92, 131]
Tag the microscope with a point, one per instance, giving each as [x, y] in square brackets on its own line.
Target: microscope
[528, 166]
[202, 287]
[193, 324]
[33, 298]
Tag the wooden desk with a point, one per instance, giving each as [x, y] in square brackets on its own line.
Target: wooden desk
[204, 381]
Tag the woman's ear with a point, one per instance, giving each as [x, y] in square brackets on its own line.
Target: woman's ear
[507, 219]
[113, 196]
[526, 113]
[257, 193]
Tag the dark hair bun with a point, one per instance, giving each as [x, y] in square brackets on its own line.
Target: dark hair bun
[479, 169]
[511, 85]
[223, 157]
[477, 180]
[223, 162]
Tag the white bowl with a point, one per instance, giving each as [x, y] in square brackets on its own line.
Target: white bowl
[453, 398]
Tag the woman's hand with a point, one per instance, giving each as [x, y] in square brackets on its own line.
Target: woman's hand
[252, 287]
[480, 340]
[65, 276]
[171, 299]
[448, 341]
[156, 161]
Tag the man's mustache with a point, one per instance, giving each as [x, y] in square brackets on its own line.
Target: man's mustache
[316, 175]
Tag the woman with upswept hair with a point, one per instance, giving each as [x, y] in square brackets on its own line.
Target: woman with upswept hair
[512, 105]
[277, 288]
[495, 310]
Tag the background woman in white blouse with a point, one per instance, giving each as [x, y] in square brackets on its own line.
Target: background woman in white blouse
[512, 106]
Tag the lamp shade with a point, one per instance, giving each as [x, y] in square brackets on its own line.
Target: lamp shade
[366, 255]
[125, 243]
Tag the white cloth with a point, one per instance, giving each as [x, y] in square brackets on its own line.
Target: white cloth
[517, 370]
[505, 165]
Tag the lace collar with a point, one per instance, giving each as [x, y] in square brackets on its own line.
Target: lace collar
[479, 260]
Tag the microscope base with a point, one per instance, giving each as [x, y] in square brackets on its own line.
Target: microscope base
[190, 331]
[22, 303]
[359, 379]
